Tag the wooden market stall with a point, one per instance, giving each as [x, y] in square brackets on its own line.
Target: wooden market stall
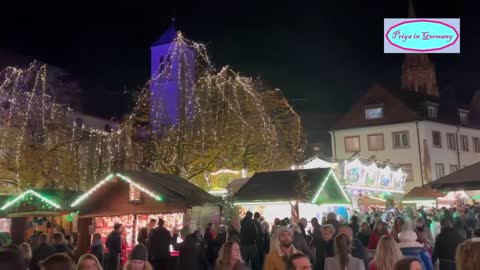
[467, 178]
[422, 196]
[292, 193]
[39, 209]
[134, 197]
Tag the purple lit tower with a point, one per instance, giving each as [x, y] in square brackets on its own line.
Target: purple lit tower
[173, 77]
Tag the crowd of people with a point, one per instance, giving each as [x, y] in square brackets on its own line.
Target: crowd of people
[390, 240]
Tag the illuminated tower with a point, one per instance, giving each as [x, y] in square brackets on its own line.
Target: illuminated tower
[418, 72]
[173, 75]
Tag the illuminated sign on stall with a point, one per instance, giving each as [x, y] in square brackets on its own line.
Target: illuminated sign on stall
[370, 176]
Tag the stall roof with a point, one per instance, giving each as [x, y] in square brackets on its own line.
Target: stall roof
[467, 178]
[371, 201]
[318, 186]
[236, 184]
[425, 193]
[161, 187]
[37, 201]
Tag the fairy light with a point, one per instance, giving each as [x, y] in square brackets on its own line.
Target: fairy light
[92, 190]
[36, 194]
[325, 180]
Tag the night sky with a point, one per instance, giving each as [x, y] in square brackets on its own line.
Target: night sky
[322, 56]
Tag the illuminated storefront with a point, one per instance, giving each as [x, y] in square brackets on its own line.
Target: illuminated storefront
[132, 198]
[294, 194]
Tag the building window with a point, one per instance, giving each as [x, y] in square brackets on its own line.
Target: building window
[401, 139]
[436, 139]
[375, 142]
[439, 170]
[453, 168]
[408, 169]
[476, 144]
[432, 112]
[463, 115]
[451, 141]
[374, 113]
[352, 144]
[464, 143]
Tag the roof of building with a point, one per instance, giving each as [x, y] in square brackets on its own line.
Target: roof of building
[422, 193]
[313, 185]
[167, 37]
[400, 106]
[467, 178]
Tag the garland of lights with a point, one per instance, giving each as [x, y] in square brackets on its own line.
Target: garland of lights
[228, 120]
[36, 194]
[109, 178]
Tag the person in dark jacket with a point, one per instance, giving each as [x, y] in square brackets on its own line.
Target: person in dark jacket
[364, 234]
[301, 244]
[261, 245]
[60, 244]
[42, 251]
[97, 248]
[159, 246]
[248, 241]
[354, 225]
[446, 244]
[114, 246]
[324, 245]
[142, 236]
[210, 237]
[192, 252]
[332, 220]
[358, 250]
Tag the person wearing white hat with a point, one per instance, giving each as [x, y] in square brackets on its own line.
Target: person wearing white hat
[282, 249]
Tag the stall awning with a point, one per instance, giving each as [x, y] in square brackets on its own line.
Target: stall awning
[467, 178]
[318, 186]
[236, 184]
[418, 194]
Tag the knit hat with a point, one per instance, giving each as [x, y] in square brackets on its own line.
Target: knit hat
[139, 252]
[279, 230]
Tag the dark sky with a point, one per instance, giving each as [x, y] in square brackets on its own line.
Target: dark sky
[326, 52]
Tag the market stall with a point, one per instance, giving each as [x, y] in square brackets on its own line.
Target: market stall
[422, 196]
[293, 193]
[42, 210]
[134, 197]
[467, 178]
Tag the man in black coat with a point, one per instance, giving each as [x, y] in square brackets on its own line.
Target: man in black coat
[192, 251]
[159, 246]
[114, 246]
[446, 244]
[42, 251]
[358, 250]
[248, 241]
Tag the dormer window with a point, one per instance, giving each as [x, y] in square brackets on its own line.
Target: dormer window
[463, 115]
[373, 113]
[432, 110]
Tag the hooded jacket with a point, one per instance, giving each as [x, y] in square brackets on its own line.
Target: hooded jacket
[411, 248]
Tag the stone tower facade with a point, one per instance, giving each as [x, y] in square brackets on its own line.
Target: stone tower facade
[418, 72]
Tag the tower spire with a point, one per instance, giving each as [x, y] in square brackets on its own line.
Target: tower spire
[411, 9]
[418, 72]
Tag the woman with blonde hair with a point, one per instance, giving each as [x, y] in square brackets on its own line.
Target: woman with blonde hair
[229, 257]
[386, 255]
[26, 252]
[88, 262]
[468, 255]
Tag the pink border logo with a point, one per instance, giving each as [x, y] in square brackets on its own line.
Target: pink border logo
[423, 50]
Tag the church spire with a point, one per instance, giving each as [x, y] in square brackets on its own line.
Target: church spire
[418, 72]
[411, 9]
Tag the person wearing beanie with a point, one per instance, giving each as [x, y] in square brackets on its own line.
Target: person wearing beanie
[282, 249]
[138, 259]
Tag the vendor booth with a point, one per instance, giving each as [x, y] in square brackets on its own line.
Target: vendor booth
[41, 210]
[422, 196]
[293, 193]
[134, 197]
[367, 182]
[467, 178]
